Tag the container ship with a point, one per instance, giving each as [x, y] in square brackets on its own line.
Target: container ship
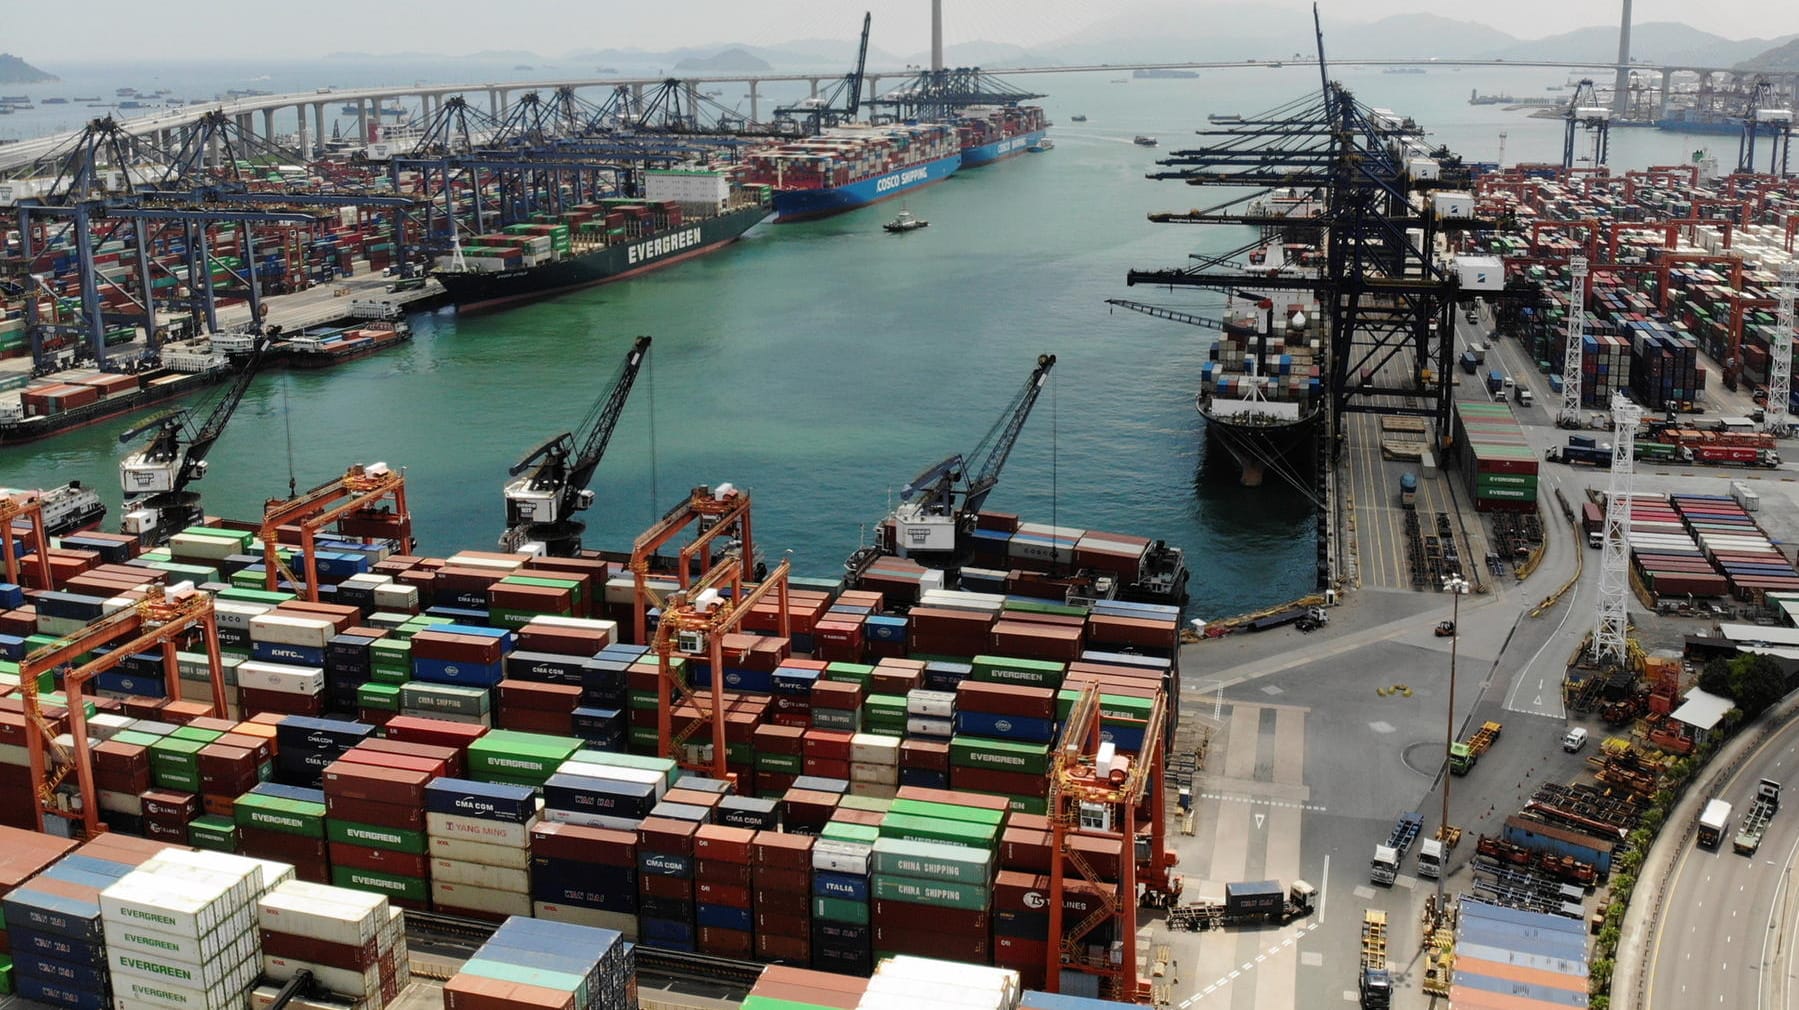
[1691, 120]
[847, 167]
[995, 134]
[683, 214]
[1261, 393]
[72, 400]
[71, 508]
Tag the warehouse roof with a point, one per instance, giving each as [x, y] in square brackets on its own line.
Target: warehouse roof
[1702, 709]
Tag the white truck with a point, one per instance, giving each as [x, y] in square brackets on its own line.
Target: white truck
[1714, 824]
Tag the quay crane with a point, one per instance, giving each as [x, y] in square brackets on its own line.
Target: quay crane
[155, 478]
[540, 506]
[813, 114]
[931, 522]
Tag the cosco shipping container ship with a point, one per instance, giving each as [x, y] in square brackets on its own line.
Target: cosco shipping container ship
[683, 214]
[848, 167]
[990, 135]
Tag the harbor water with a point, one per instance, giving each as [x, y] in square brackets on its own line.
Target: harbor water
[823, 365]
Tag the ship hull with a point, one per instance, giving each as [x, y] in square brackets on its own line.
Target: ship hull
[811, 204]
[1720, 127]
[1000, 150]
[1264, 450]
[482, 290]
[33, 428]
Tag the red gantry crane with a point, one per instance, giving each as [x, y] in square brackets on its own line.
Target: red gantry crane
[371, 497]
[29, 507]
[165, 620]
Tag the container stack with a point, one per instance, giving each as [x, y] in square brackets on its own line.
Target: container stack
[665, 891]
[478, 835]
[1496, 459]
[932, 898]
[842, 938]
[1020, 916]
[723, 910]
[781, 894]
[530, 964]
[375, 823]
[903, 981]
[585, 875]
[351, 941]
[286, 673]
[1733, 542]
[1667, 557]
[520, 759]
[784, 988]
[304, 746]
[181, 930]
[874, 763]
[1605, 365]
[1664, 370]
[1001, 742]
[46, 920]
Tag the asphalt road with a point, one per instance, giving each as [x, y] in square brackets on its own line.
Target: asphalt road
[1730, 922]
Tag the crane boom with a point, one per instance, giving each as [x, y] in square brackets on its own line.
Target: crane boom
[855, 95]
[1175, 315]
[993, 449]
[201, 443]
[539, 506]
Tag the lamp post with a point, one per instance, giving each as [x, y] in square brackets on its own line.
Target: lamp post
[1457, 586]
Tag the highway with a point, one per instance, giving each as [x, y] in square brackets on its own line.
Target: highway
[1729, 922]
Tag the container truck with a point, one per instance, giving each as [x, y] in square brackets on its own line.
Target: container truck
[1408, 490]
[1592, 522]
[1463, 754]
[1523, 395]
[1599, 456]
[1246, 903]
[1433, 853]
[1495, 381]
[1470, 363]
[1735, 455]
[1384, 867]
[1755, 822]
[1375, 979]
[1714, 823]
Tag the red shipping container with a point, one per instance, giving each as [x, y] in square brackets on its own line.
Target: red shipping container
[362, 857]
[388, 815]
[1005, 699]
[666, 835]
[655, 886]
[828, 745]
[795, 947]
[733, 874]
[971, 948]
[725, 942]
[605, 846]
[438, 732]
[729, 895]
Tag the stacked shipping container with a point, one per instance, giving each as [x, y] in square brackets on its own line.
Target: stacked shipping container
[1495, 458]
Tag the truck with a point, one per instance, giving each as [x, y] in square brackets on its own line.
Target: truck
[1755, 822]
[1592, 522]
[1599, 456]
[1465, 753]
[1246, 903]
[1375, 979]
[1735, 455]
[1433, 856]
[1495, 381]
[1523, 395]
[1470, 363]
[1384, 867]
[1408, 490]
[1661, 452]
[1714, 823]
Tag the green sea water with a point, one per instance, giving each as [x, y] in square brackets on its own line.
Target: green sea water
[823, 365]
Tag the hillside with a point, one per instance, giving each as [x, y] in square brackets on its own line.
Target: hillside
[14, 70]
[731, 61]
[1781, 58]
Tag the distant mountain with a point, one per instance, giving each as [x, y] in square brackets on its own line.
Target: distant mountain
[14, 70]
[1784, 59]
[731, 61]
[987, 55]
[1653, 42]
[826, 55]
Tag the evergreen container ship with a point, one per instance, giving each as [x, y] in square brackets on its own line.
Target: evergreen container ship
[844, 168]
[683, 214]
[995, 134]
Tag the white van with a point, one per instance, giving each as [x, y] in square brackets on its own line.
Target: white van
[1575, 740]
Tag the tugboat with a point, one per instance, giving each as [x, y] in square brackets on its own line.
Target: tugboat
[904, 222]
[1077, 119]
[1142, 141]
[1041, 146]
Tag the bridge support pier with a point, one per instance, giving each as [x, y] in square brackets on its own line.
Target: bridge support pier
[1661, 98]
[302, 141]
[268, 125]
[1621, 83]
[755, 102]
[318, 121]
[814, 83]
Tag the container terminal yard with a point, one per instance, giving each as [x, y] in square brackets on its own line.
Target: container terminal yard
[314, 757]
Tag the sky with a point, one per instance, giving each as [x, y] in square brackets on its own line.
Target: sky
[169, 29]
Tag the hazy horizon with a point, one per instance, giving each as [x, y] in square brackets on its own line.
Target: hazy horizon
[114, 30]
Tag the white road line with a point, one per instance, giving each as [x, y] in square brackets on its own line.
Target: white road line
[1324, 890]
[1259, 801]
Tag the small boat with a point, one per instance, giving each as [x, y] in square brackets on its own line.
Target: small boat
[1224, 117]
[1142, 141]
[906, 221]
[1121, 80]
[1077, 119]
[1041, 146]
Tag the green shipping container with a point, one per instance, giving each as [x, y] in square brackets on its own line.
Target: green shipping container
[375, 836]
[948, 812]
[274, 813]
[922, 829]
[1000, 755]
[787, 764]
[390, 884]
[841, 832]
[941, 893]
[379, 697]
[1022, 672]
[214, 833]
[959, 864]
[533, 757]
[840, 910]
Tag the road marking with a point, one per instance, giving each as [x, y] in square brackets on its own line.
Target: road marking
[1250, 965]
[1259, 819]
[1263, 802]
[1324, 889]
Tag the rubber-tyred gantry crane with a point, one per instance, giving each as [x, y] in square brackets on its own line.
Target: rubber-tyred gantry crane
[694, 624]
[167, 619]
[155, 478]
[1097, 791]
[373, 496]
[723, 511]
[540, 505]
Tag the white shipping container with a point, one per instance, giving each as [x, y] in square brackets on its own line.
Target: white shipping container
[1046, 530]
[134, 993]
[873, 790]
[333, 914]
[253, 872]
[587, 819]
[918, 725]
[187, 545]
[279, 677]
[397, 597]
[1452, 205]
[282, 629]
[501, 564]
[886, 775]
[120, 803]
[616, 773]
[476, 830]
[935, 704]
[220, 973]
[192, 951]
[476, 852]
[483, 899]
[623, 922]
[874, 749]
[178, 907]
[494, 878]
[841, 857]
[585, 623]
[339, 980]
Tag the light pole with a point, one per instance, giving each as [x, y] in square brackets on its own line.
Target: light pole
[1458, 586]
